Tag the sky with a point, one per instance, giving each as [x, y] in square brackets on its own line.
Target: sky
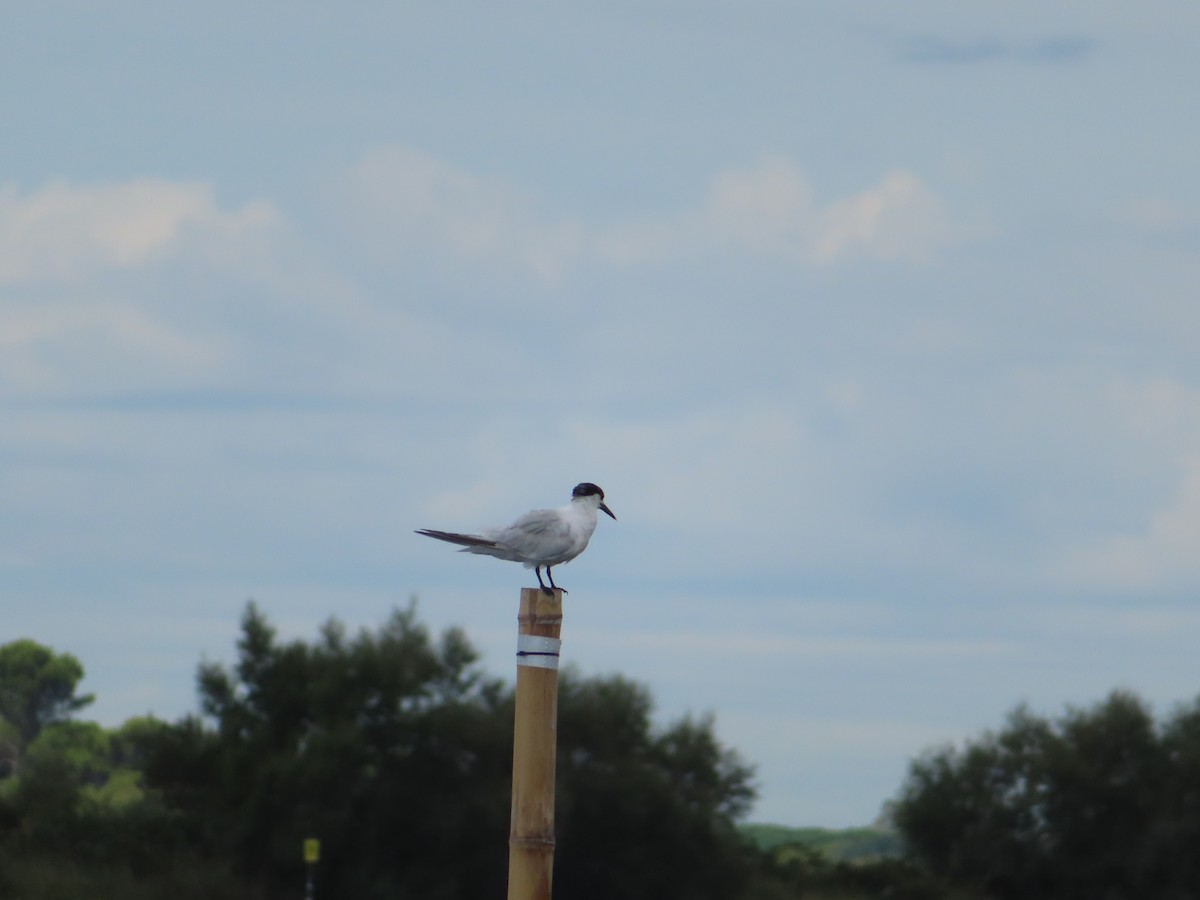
[877, 323]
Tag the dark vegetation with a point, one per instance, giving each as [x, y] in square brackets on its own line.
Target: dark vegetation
[1100, 803]
[394, 748]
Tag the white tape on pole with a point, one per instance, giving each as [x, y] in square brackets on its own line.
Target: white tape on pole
[538, 652]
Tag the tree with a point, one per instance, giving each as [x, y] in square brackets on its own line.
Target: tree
[388, 746]
[1179, 826]
[37, 687]
[395, 750]
[1099, 803]
[644, 813]
[85, 747]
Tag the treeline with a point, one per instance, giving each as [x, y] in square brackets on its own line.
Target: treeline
[393, 747]
[1099, 803]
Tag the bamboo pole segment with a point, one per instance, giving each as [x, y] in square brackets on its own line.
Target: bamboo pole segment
[535, 732]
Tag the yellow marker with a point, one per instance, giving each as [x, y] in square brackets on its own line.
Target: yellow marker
[312, 850]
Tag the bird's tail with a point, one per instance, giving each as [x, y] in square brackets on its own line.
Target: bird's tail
[463, 540]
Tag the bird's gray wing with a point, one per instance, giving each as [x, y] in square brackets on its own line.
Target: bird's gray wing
[538, 535]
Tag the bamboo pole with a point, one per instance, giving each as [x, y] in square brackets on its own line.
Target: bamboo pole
[535, 730]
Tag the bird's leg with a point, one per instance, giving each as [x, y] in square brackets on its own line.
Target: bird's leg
[552, 584]
[537, 570]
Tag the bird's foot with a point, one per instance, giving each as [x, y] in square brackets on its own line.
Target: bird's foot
[549, 592]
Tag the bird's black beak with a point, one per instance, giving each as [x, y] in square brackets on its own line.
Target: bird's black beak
[607, 510]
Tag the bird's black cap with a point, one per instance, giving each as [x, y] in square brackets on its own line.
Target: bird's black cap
[587, 489]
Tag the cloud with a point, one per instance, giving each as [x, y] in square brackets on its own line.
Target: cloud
[1140, 522]
[930, 49]
[1159, 556]
[94, 343]
[1057, 49]
[1051, 49]
[900, 219]
[737, 455]
[1158, 215]
[402, 204]
[113, 285]
[768, 210]
[407, 207]
[63, 232]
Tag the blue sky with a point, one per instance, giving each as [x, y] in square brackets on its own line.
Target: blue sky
[877, 323]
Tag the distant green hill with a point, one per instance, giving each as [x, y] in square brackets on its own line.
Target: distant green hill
[841, 845]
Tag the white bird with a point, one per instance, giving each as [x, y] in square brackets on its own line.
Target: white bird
[543, 537]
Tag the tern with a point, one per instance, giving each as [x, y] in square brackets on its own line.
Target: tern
[543, 537]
